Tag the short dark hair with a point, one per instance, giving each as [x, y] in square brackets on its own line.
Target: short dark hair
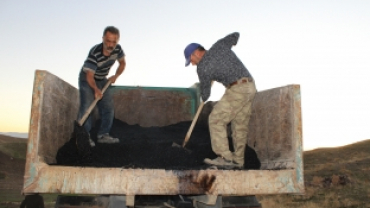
[111, 29]
[201, 48]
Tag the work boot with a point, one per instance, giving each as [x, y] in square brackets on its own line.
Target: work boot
[239, 162]
[92, 143]
[239, 166]
[106, 138]
[221, 162]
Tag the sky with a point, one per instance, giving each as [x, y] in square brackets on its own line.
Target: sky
[321, 45]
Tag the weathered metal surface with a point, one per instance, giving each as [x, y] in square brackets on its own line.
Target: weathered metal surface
[275, 134]
[154, 106]
[271, 129]
[79, 180]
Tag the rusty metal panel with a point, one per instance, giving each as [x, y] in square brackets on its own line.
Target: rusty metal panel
[271, 128]
[275, 134]
[275, 130]
[53, 111]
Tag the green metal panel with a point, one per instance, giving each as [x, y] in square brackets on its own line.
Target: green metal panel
[155, 106]
[192, 92]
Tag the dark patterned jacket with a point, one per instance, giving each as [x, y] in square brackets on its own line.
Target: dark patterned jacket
[220, 64]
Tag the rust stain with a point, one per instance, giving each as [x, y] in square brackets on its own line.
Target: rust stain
[206, 182]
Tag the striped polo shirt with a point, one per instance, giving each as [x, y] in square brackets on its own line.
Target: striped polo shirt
[100, 64]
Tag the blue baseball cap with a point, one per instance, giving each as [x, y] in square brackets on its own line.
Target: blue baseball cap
[188, 51]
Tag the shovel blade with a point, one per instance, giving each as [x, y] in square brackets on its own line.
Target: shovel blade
[179, 146]
[82, 140]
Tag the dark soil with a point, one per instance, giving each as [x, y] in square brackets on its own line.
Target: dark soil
[148, 148]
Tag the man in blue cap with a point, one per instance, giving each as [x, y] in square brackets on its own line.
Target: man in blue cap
[220, 63]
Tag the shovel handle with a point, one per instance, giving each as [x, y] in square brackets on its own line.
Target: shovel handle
[92, 105]
[188, 134]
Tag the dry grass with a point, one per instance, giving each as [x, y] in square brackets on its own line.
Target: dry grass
[321, 199]
[334, 178]
[14, 147]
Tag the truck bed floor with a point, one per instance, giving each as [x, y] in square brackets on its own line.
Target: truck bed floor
[149, 148]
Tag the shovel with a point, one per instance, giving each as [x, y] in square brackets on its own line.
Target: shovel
[80, 134]
[188, 134]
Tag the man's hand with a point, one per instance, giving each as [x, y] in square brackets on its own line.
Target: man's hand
[98, 94]
[91, 81]
[113, 78]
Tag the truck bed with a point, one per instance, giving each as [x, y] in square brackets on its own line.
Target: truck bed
[275, 135]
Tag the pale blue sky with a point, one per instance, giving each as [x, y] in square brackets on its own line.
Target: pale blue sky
[323, 45]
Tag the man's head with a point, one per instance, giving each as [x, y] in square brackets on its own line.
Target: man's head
[110, 39]
[193, 53]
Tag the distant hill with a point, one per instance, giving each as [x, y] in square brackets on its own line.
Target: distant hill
[12, 164]
[15, 134]
[348, 153]
[334, 177]
[13, 147]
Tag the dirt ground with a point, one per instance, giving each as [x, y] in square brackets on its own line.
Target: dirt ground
[149, 147]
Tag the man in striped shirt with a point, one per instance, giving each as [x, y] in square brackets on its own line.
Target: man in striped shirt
[93, 77]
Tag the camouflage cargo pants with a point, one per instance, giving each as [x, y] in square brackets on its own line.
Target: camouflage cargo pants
[235, 107]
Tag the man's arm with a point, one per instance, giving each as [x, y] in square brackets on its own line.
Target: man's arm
[91, 81]
[230, 40]
[205, 87]
[120, 69]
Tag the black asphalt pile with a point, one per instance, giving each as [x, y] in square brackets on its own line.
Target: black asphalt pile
[148, 148]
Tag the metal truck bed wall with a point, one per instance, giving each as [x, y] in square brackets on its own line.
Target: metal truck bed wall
[275, 134]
